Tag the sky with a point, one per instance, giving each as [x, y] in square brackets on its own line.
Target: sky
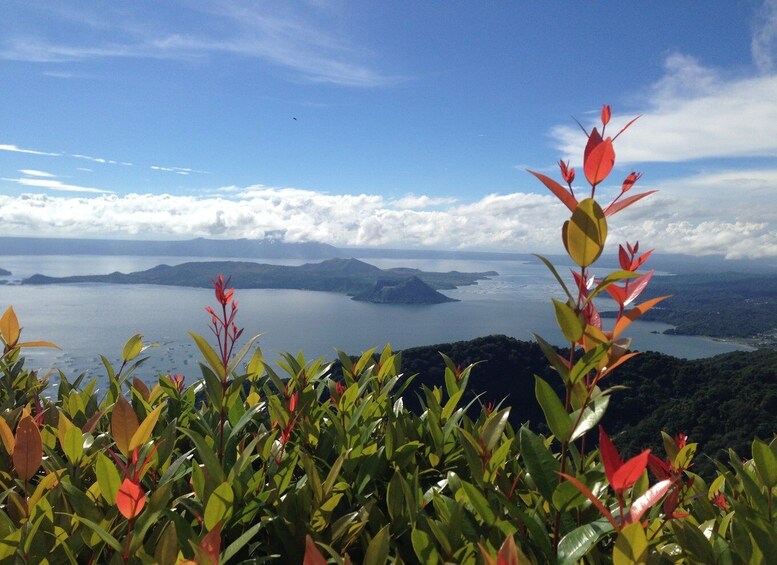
[398, 124]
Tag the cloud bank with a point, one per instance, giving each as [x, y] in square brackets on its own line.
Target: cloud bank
[518, 222]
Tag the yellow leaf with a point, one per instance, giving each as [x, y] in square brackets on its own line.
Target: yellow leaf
[143, 432]
[6, 435]
[585, 232]
[124, 424]
[9, 327]
[63, 425]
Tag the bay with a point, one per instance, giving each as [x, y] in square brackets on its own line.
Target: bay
[86, 320]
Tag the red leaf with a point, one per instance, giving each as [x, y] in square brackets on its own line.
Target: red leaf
[623, 258]
[211, 544]
[644, 502]
[590, 496]
[660, 468]
[130, 499]
[629, 472]
[618, 293]
[599, 162]
[623, 203]
[28, 449]
[312, 554]
[594, 139]
[626, 127]
[637, 263]
[610, 458]
[561, 193]
[606, 113]
[636, 287]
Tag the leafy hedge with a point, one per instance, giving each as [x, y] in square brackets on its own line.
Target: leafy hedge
[314, 465]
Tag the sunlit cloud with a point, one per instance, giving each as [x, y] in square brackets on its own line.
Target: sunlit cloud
[517, 222]
[692, 113]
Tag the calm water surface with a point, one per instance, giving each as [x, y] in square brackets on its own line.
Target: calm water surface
[90, 319]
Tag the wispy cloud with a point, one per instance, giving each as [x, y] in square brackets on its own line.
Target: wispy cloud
[177, 170]
[15, 149]
[56, 185]
[36, 173]
[764, 41]
[278, 34]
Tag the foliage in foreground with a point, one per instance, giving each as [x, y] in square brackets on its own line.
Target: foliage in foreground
[312, 466]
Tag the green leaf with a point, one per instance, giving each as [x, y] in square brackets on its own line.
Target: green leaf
[242, 353]
[579, 541]
[378, 549]
[424, 547]
[211, 357]
[553, 270]
[234, 547]
[166, 552]
[105, 536]
[494, 426]
[587, 362]
[540, 463]
[132, 348]
[765, 463]
[555, 413]
[591, 416]
[585, 233]
[553, 358]
[219, 506]
[566, 497]
[631, 545]
[570, 322]
[74, 444]
[479, 503]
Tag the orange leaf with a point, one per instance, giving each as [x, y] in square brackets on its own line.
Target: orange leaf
[635, 313]
[124, 424]
[599, 162]
[6, 435]
[130, 499]
[561, 193]
[9, 327]
[621, 204]
[28, 449]
[141, 387]
[312, 554]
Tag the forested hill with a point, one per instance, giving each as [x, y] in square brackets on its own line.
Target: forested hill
[349, 276]
[720, 402]
[721, 305]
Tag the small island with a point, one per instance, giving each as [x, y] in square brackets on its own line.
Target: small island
[4, 273]
[355, 278]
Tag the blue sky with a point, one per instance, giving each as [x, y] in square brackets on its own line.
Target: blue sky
[397, 124]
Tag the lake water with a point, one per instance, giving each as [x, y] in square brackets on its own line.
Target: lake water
[90, 319]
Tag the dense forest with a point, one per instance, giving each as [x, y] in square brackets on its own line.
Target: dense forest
[720, 305]
[720, 402]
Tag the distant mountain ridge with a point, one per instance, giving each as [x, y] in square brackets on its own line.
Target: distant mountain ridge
[200, 247]
[348, 276]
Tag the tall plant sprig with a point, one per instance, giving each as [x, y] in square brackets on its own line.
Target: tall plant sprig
[222, 362]
[593, 351]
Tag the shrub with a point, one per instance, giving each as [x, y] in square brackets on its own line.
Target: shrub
[311, 465]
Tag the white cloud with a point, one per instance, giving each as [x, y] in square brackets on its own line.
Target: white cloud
[693, 113]
[278, 33]
[423, 201]
[15, 149]
[35, 173]
[59, 186]
[764, 41]
[519, 222]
